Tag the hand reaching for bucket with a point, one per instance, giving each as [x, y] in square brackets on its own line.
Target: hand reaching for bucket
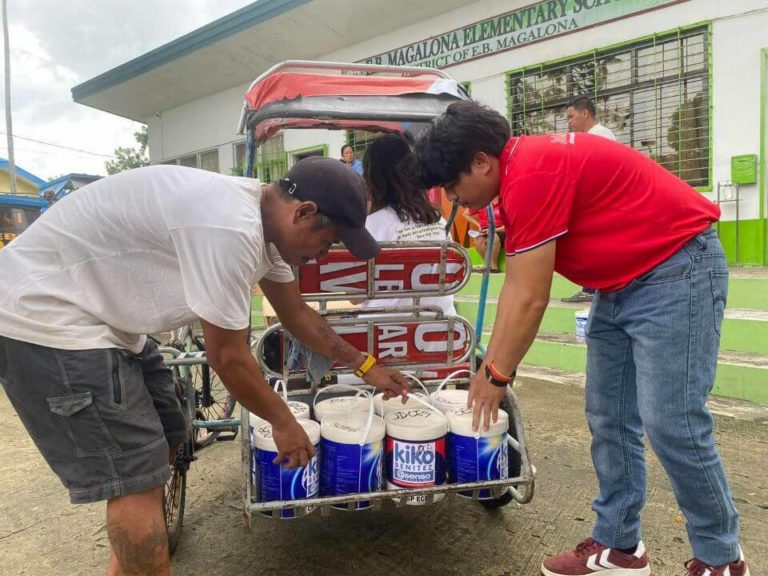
[293, 445]
[484, 399]
[390, 382]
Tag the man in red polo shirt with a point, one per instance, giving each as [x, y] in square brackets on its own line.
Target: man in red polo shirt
[604, 215]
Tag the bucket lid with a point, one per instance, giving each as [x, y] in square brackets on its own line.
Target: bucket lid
[460, 421]
[262, 434]
[348, 428]
[299, 409]
[416, 424]
[341, 405]
[384, 407]
[450, 398]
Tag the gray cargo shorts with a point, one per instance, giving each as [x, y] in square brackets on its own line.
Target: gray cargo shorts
[103, 419]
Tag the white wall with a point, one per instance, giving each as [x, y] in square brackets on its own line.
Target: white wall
[736, 44]
[196, 126]
[738, 34]
[212, 123]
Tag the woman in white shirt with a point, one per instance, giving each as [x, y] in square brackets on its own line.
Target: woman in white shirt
[399, 207]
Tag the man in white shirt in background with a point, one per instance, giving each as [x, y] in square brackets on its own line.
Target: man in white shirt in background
[146, 251]
[581, 113]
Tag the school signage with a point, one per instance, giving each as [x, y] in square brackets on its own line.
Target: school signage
[533, 23]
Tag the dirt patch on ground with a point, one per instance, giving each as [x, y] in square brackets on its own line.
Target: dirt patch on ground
[42, 534]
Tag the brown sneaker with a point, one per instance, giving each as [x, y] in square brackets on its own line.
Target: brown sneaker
[580, 296]
[591, 557]
[696, 567]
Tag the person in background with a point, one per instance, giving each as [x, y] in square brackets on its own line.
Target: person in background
[348, 157]
[581, 118]
[399, 208]
[603, 214]
[479, 218]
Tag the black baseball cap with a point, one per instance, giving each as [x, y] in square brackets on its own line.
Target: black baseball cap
[340, 193]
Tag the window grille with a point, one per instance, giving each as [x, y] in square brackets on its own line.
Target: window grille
[653, 94]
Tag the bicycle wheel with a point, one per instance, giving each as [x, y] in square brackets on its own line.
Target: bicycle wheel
[175, 497]
[212, 400]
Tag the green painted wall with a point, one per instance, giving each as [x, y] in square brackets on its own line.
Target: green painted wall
[750, 249]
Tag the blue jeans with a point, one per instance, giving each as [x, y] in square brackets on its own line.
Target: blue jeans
[651, 361]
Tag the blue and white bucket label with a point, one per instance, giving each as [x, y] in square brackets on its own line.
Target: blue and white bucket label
[477, 459]
[273, 482]
[350, 469]
[412, 464]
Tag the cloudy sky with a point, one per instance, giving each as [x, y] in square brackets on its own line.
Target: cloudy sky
[56, 45]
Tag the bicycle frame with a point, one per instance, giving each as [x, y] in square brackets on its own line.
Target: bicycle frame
[183, 360]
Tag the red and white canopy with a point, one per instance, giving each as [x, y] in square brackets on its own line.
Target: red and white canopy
[349, 97]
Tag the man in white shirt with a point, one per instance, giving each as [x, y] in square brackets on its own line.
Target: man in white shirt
[581, 118]
[146, 251]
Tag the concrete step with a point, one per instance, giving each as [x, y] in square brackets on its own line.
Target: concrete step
[739, 375]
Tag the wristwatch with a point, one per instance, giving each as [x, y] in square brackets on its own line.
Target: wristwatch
[497, 378]
[368, 363]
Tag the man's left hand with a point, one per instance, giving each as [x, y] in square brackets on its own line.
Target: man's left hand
[484, 399]
[390, 382]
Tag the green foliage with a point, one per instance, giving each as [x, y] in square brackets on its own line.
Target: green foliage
[129, 158]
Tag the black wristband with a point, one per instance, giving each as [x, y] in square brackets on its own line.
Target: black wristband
[496, 381]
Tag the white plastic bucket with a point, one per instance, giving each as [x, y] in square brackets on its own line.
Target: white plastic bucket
[476, 456]
[384, 407]
[272, 481]
[299, 409]
[352, 446]
[444, 400]
[360, 402]
[415, 450]
[581, 323]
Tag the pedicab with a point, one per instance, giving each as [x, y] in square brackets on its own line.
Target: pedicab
[437, 350]
[17, 212]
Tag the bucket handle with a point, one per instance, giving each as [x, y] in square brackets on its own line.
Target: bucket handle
[449, 377]
[368, 425]
[280, 385]
[360, 392]
[345, 387]
[425, 403]
[410, 376]
[417, 381]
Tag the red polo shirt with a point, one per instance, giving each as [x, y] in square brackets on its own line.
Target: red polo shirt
[615, 213]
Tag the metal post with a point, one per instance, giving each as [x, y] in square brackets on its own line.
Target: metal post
[486, 278]
[8, 123]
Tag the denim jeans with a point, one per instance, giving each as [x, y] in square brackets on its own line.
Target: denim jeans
[651, 361]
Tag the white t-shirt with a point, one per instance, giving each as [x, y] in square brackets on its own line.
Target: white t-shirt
[385, 226]
[600, 130]
[143, 251]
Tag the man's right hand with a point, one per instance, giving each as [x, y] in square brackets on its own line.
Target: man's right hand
[293, 445]
[229, 356]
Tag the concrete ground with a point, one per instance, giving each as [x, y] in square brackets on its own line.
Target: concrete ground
[42, 534]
